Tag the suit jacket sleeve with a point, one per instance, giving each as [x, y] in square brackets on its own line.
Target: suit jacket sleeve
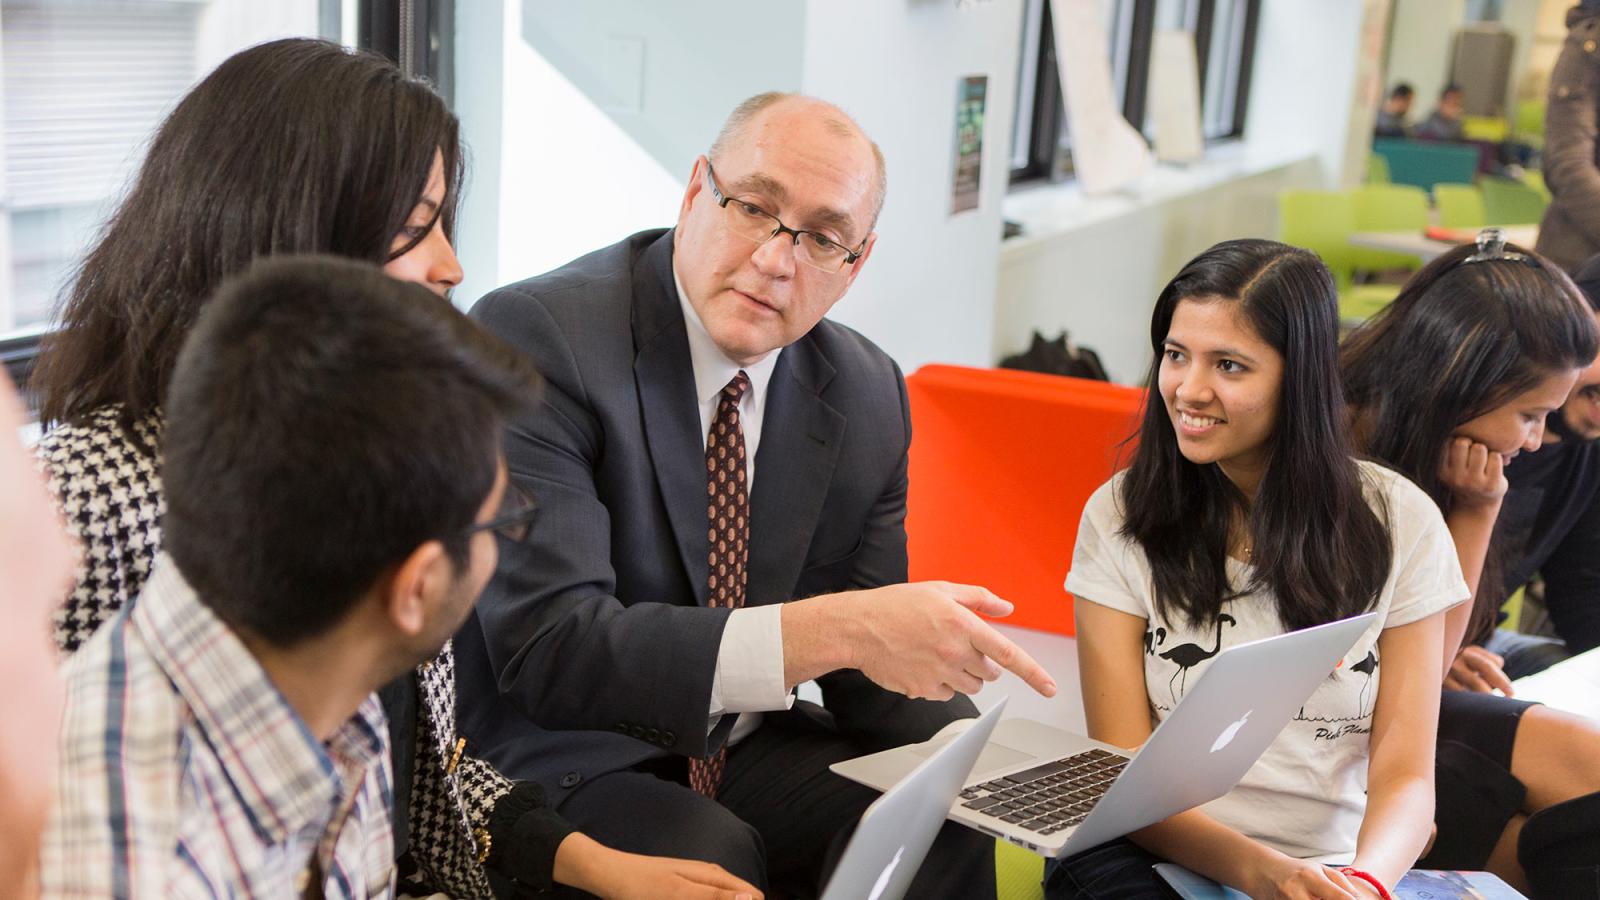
[876, 717]
[564, 650]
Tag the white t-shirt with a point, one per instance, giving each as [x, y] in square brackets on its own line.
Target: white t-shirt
[1307, 794]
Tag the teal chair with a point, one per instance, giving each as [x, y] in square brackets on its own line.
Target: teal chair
[1321, 221]
[1424, 164]
[1459, 205]
[1507, 202]
[1388, 207]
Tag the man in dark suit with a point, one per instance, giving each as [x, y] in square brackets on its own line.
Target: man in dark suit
[722, 477]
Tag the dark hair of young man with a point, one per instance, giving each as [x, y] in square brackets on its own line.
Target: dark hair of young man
[293, 146]
[324, 421]
[1459, 340]
[1316, 544]
[1402, 91]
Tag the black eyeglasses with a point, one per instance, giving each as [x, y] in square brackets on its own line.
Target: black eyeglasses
[753, 223]
[515, 519]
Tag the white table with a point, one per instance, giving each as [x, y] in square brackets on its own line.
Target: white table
[1415, 243]
[1573, 685]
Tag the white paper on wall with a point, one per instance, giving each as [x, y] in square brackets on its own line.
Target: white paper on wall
[1107, 152]
[1174, 96]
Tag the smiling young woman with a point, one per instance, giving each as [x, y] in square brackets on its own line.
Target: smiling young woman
[1243, 515]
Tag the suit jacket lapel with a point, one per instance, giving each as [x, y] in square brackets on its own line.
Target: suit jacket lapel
[800, 440]
[665, 380]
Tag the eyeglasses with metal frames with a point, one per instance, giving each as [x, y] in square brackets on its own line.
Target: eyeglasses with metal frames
[756, 224]
[514, 520]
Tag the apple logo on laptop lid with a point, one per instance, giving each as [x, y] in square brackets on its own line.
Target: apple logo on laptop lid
[1229, 733]
[882, 884]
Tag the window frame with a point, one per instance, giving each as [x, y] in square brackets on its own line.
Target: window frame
[1047, 160]
[380, 29]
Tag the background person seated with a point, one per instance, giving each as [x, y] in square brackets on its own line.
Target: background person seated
[1392, 114]
[1444, 123]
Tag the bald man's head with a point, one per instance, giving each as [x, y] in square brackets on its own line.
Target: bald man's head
[737, 127]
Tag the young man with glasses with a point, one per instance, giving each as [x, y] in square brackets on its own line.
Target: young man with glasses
[336, 500]
[722, 479]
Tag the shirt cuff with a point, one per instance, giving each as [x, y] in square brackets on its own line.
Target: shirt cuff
[749, 673]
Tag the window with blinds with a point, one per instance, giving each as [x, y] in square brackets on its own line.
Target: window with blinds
[82, 85]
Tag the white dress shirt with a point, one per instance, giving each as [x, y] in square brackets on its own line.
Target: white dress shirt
[749, 675]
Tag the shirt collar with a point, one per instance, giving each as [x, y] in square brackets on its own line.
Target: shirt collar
[285, 778]
[712, 368]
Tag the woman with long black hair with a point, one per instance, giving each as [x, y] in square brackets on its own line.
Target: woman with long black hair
[1446, 385]
[293, 146]
[1244, 514]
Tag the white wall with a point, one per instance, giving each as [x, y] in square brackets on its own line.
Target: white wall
[927, 292]
[1306, 63]
[565, 158]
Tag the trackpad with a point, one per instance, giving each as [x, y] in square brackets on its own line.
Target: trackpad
[994, 755]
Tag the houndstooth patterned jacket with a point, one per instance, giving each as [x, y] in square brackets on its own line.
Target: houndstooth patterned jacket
[109, 486]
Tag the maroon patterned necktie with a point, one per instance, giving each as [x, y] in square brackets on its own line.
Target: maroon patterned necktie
[728, 516]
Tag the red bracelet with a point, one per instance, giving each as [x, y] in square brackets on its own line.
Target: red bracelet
[1369, 878]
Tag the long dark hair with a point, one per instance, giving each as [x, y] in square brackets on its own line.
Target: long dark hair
[1459, 340]
[1317, 544]
[293, 146]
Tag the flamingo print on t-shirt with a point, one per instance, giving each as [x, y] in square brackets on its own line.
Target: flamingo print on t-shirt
[1306, 795]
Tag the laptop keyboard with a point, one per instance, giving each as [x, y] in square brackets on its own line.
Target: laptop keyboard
[1050, 797]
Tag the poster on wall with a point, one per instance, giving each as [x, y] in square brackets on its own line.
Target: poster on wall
[970, 96]
[1107, 153]
[1174, 96]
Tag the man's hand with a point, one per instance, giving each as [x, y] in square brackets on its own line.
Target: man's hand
[1474, 474]
[926, 640]
[1477, 669]
[612, 874]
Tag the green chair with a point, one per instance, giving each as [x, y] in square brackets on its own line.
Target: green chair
[1459, 205]
[1321, 221]
[1493, 129]
[1507, 202]
[1513, 610]
[1535, 179]
[1377, 169]
[1361, 302]
[1387, 207]
[1530, 123]
[1018, 874]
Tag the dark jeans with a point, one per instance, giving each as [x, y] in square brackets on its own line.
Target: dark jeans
[1526, 654]
[1115, 870]
[780, 820]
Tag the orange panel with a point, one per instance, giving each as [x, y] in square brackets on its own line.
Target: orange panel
[1002, 463]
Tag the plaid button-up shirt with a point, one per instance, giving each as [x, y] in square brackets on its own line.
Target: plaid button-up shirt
[185, 773]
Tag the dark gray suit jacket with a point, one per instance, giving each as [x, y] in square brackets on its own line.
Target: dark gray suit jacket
[592, 649]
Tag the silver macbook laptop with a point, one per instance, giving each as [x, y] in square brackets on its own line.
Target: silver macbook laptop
[899, 827]
[1058, 793]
